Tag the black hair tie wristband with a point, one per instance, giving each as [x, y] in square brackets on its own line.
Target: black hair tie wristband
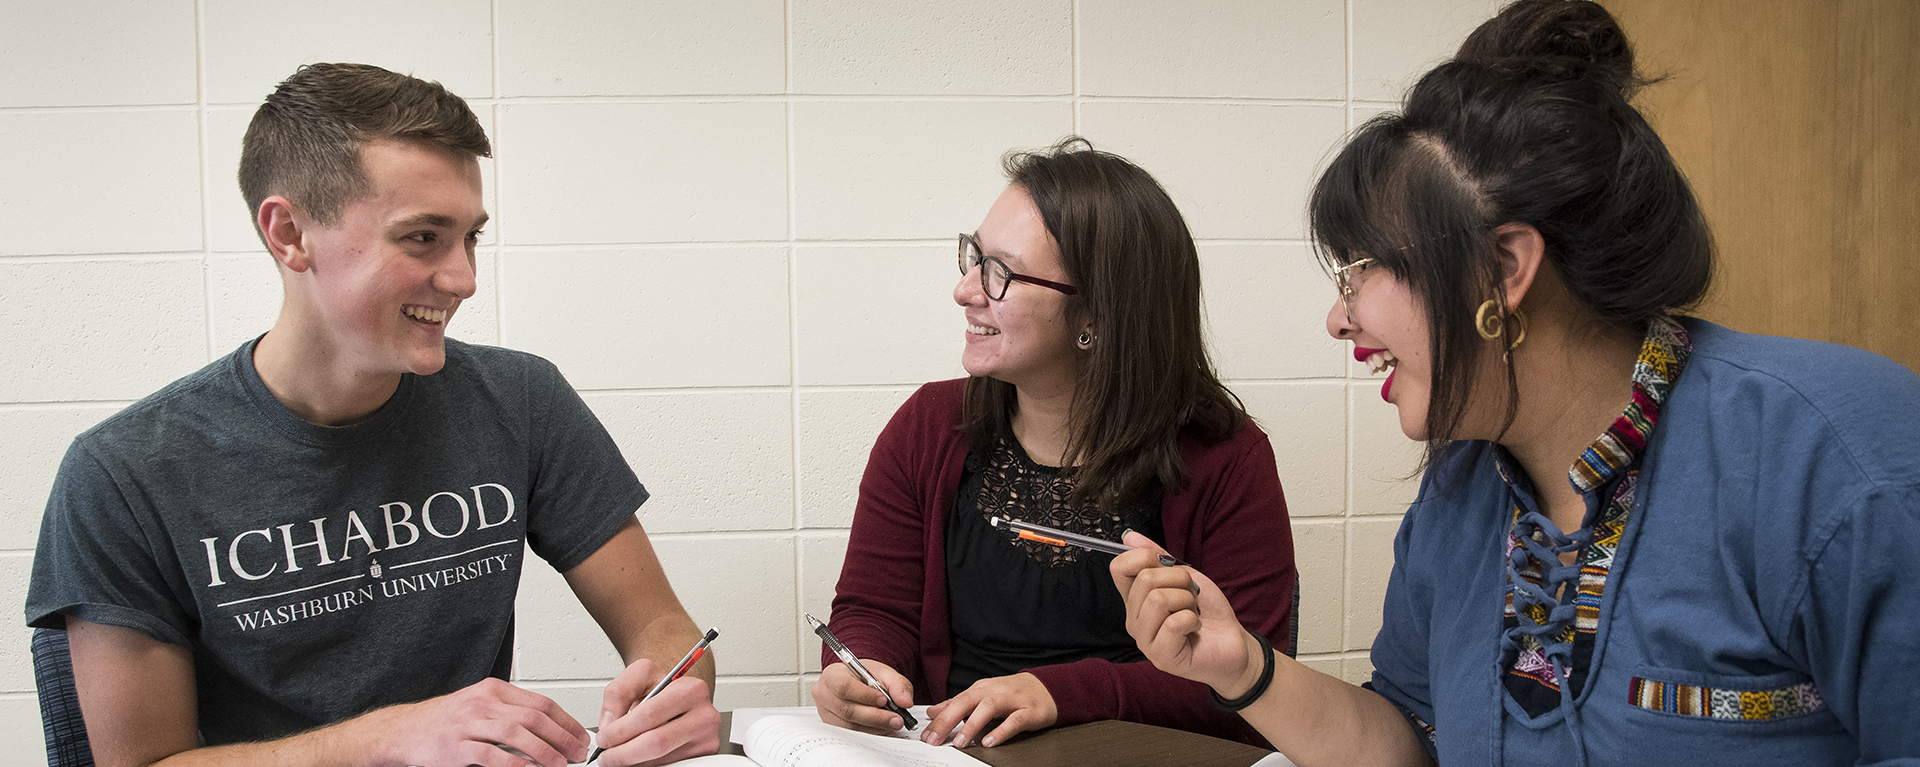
[1259, 688]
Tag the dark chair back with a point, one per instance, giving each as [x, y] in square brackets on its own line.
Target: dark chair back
[59, 704]
[1293, 631]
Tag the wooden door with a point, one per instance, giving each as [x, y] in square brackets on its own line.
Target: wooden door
[1798, 122]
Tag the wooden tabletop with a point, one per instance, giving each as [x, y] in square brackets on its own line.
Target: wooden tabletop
[1098, 744]
[1117, 744]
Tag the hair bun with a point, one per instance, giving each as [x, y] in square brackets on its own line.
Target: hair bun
[1571, 39]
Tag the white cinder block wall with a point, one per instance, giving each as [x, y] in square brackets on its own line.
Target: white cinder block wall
[730, 222]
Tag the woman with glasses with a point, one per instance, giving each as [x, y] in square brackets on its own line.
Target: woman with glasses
[1090, 407]
[1641, 538]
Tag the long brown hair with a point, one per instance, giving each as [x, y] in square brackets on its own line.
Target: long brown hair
[1146, 378]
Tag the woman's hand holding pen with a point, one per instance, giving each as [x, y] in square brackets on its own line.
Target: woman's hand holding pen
[678, 723]
[846, 701]
[1021, 701]
[1182, 621]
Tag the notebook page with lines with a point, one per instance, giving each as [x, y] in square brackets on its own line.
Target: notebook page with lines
[804, 741]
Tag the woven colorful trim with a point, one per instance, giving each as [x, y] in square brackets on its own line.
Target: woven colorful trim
[1663, 354]
[1713, 703]
[1421, 724]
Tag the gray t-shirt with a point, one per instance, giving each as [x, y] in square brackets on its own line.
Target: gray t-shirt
[317, 573]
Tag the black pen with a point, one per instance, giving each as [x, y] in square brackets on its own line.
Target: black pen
[846, 656]
[679, 670]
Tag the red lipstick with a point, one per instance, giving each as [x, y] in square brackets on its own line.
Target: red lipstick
[1360, 355]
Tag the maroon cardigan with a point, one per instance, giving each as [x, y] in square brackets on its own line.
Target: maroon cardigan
[891, 603]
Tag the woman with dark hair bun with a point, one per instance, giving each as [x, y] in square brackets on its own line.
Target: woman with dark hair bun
[1719, 577]
[1091, 407]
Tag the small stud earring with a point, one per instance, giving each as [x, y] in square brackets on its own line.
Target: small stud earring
[1085, 340]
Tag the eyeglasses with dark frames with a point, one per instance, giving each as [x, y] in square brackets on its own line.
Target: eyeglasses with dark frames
[995, 275]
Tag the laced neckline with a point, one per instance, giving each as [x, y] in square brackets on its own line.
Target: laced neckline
[1553, 609]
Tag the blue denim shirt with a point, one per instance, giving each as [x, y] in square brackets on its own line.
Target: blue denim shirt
[1768, 548]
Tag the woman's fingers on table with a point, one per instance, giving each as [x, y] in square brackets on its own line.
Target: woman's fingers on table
[1015, 722]
[1021, 701]
[843, 699]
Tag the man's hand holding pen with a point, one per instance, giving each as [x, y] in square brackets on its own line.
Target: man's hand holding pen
[677, 723]
[845, 700]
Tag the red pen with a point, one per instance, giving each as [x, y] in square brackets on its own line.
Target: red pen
[679, 670]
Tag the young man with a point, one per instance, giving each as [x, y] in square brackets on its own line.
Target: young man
[307, 552]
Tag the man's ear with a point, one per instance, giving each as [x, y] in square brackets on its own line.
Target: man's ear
[1520, 250]
[283, 228]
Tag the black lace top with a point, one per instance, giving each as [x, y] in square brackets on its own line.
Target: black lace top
[1018, 604]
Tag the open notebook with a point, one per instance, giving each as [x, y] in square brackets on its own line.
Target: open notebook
[795, 737]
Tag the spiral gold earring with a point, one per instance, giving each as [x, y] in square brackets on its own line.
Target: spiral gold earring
[1490, 326]
[1519, 329]
[1085, 340]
